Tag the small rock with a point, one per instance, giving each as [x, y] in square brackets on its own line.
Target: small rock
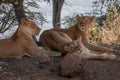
[71, 65]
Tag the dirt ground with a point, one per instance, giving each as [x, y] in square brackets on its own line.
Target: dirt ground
[31, 69]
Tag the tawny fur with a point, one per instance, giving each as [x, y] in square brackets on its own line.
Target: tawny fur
[21, 42]
[79, 32]
[58, 41]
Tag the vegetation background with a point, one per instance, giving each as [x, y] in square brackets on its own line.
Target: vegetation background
[105, 29]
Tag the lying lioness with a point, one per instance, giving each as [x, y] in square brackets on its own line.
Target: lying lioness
[21, 42]
[58, 42]
[81, 31]
[86, 53]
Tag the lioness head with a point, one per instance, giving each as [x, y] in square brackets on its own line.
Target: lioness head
[72, 47]
[32, 27]
[84, 22]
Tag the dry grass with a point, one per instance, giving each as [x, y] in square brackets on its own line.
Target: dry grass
[111, 31]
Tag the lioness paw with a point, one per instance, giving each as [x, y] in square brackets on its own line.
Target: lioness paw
[108, 56]
[112, 56]
[44, 58]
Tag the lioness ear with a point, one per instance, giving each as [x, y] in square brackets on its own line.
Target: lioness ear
[92, 18]
[78, 18]
[24, 21]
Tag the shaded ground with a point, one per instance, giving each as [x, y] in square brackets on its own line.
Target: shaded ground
[31, 69]
[101, 70]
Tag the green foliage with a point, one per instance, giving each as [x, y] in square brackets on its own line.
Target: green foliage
[113, 11]
[33, 4]
[69, 20]
[110, 32]
[95, 33]
[34, 15]
[8, 18]
[99, 6]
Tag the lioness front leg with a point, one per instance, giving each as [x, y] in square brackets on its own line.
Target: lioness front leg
[94, 47]
[37, 53]
[89, 55]
[103, 56]
[100, 48]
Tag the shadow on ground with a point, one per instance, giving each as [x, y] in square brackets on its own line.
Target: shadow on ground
[31, 69]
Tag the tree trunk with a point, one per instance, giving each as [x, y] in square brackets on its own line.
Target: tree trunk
[19, 11]
[57, 6]
[18, 8]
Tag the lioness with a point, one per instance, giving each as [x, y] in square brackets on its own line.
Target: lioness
[86, 53]
[21, 42]
[58, 42]
[81, 31]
